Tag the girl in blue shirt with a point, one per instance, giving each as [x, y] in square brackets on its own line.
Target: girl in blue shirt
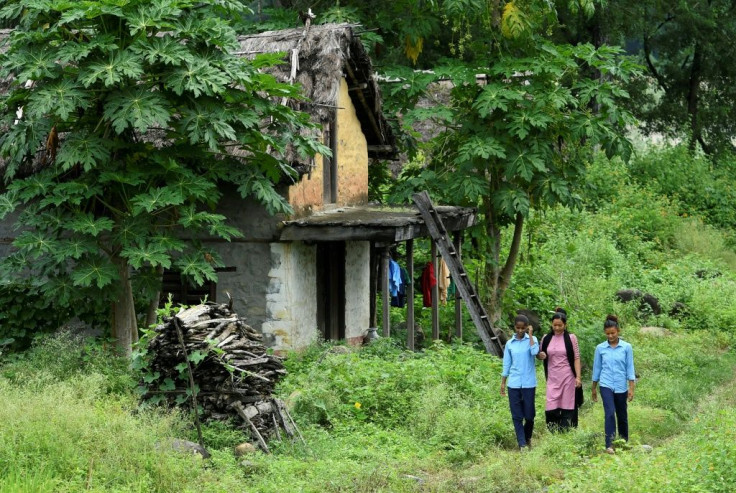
[518, 368]
[613, 371]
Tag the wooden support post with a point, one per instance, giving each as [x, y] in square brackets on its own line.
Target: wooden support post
[458, 240]
[373, 276]
[435, 295]
[386, 296]
[410, 295]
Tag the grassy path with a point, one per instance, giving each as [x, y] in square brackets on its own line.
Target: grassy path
[685, 408]
[702, 458]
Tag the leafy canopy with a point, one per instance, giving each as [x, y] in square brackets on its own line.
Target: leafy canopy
[119, 125]
[521, 135]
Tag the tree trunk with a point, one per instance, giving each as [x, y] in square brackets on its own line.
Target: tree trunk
[124, 324]
[692, 97]
[498, 277]
[151, 314]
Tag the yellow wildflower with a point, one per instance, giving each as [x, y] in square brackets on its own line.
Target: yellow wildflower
[357, 405]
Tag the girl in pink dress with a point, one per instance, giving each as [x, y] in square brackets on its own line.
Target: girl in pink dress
[561, 355]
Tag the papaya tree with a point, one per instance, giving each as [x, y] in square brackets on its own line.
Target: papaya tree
[515, 132]
[119, 123]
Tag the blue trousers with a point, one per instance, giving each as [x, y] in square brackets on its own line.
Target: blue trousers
[615, 411]
[521, 402]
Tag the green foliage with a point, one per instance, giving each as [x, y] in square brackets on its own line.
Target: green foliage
[64, 356]
[701, 186]
[520, 142]
[131, 136]
[444, 397]
[25, 314]
[700, 459]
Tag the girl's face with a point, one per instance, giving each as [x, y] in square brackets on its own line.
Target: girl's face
[611, 334]
[558, 326]
[520, 329]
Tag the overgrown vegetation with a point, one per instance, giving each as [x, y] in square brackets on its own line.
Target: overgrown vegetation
[384, 419]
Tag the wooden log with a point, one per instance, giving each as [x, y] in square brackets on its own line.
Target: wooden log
[212, 321]
[227, 339]
[261, 442]
[249, 362]
[192, 315]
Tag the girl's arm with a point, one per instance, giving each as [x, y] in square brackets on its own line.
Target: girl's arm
[503, 385]
[533, 344]
[596, 375]
[541, 354]
[576, 362]
[630, 373]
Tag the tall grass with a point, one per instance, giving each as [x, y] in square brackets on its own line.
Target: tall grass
[384, 419]
[63, 429]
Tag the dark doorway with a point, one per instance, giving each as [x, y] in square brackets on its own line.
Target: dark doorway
[331, 289]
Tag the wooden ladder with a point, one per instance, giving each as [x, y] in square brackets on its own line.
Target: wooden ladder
[492, 338]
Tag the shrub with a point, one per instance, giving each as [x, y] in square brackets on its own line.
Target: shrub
[25, 314]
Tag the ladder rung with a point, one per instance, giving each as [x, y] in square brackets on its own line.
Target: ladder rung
[484, 316]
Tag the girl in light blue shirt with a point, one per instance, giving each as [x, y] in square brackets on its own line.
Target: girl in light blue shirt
[613, 371]
[521, 374]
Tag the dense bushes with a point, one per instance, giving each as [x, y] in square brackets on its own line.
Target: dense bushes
[700, 186]
[445, 397]
[25, 314]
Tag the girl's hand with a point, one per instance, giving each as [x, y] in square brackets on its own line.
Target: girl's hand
[541, 355]
[631, 395]
[503, 390]
[530, 331]
[594, 396]
[578, 382]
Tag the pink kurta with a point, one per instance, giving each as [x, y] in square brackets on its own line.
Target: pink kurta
[560, 377]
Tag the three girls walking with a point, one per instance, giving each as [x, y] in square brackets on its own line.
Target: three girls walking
[613, 372]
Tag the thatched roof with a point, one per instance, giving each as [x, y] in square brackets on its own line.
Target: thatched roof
[326, 53]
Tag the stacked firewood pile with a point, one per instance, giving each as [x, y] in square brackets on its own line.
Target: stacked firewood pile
[208, 355]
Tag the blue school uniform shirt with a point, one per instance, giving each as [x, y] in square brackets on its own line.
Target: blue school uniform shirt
[518, 363]
[613, 367]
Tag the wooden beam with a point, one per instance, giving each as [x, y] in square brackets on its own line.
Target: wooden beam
[386, 295]
[410, 296]
[458, 240]
[366, 106]
[435, 295]
[382, 148]
[374, 263]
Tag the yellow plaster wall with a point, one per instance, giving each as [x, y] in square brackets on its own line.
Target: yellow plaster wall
[352, 164]
[306, 196]
[352, 153]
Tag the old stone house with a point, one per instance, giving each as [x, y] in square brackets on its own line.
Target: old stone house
[315, 274]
